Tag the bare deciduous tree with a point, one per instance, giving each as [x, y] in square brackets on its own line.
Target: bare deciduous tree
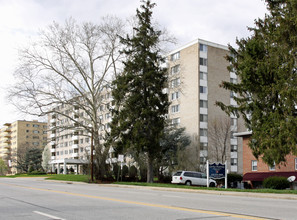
[70, 65]
[219, 131]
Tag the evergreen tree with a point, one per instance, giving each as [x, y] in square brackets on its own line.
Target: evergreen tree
[267, 91]
[33, 159]
[139, 121]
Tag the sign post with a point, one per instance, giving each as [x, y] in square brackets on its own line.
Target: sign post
[217, 171]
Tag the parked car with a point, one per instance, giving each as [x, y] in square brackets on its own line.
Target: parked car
[192, 178]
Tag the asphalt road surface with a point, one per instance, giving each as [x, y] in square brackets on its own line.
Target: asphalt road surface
[36, 198]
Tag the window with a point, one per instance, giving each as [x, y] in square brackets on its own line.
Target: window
[203, 146]
[202, 75]
[272, 167]
[61, 152]
[101, 107]
[81, 149]
[233, 80]
[107, 115]
[66, 151]
[232, 94]
[175, 108]
[254, 165]
[35, 143]
[35, 137]
[203, 132]
[203, 118]
[295, 163]
[175, 69]
[203, 103]
[233, 121]
[233, 161]
[27, 131]
[82, 141]
[202, 160]
[174, 95]
[232, 134]
[36, 132]
[175, 121]
[175, 56]
[35, 126]
[203, 61]
[203, 47]
[175, 82]
[27, 125]
[233, 148]
[87, 140]
[203, 89]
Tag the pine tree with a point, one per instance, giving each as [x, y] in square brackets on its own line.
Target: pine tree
[267, 92]
[139, 119]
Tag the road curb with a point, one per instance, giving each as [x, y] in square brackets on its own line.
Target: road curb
[213, 192]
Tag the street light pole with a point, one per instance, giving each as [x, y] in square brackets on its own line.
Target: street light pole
[92, 157]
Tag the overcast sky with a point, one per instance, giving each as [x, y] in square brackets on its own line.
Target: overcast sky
[219, 21]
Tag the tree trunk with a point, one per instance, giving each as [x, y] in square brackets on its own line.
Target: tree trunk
[150, 172]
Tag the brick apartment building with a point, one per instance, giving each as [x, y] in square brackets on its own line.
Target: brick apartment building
[256, 170]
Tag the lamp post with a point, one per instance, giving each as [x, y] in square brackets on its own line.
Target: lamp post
[92, 156]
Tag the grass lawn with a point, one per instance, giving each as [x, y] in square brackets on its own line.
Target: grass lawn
[69, 177]
[204, 188]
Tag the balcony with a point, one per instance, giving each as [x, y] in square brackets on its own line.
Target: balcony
[6, 145]
[74, 154]
[75, 146]
[75, 138]
[8, 130]
[53, 150]
[8, 140]
[53, 120]
[53, 135]
[53, 157]
[6, 151]
[52, 143]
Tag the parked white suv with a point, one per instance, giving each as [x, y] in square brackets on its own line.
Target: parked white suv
[192, 178]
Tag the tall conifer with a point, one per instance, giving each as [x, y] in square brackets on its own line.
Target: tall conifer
[267, 92]
[139, 120]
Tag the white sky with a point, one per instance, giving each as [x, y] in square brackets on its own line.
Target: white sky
[219, 21]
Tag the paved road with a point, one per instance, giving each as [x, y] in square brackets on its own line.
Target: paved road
[35, 198]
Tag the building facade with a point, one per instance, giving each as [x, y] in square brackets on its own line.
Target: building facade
[195, 72]
[70, 143]
[18, 136]
[256, 170]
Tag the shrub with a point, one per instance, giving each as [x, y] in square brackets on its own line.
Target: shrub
[125, 171]
[165, 178]
[36, 172]
[132, 172]
[233, 177]
[276, 182]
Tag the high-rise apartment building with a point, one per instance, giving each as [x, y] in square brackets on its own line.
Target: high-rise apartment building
[195, 72]
[20, 135]
[70, 143]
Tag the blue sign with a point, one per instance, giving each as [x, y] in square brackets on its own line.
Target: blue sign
[217, 171]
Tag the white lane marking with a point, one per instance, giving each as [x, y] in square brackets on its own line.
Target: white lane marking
[49, 216]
